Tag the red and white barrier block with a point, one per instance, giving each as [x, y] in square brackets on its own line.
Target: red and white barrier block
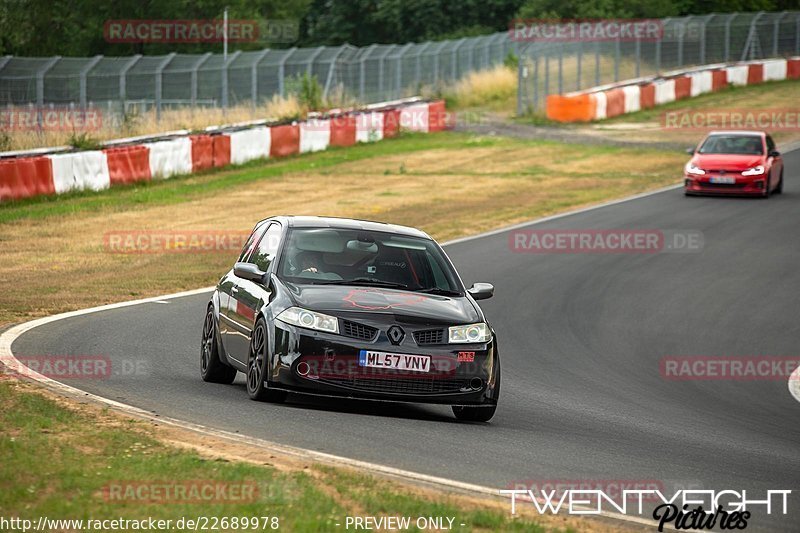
[609, 101]
[133, 160]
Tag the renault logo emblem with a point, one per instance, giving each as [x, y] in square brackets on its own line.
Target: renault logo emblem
[396, 334]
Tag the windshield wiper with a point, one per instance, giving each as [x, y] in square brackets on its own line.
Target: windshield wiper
[439, 291]
[368, 282]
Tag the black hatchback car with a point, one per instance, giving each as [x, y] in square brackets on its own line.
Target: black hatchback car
[353, 309]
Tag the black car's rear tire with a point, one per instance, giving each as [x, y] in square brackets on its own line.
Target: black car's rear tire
[212, 369]
[257, 364]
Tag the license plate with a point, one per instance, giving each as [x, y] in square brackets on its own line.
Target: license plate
[722, 179]
[395, 361]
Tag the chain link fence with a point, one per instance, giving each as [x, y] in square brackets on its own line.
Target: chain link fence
[561, 67]
[120, 84]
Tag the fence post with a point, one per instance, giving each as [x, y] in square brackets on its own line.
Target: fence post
[680, 40]
[658, 48]
[123, 80]
[616, 59]
[84, 73]
[797, 35]
[579, 66]
[332, 69]
[40, 87]
[546, 74]
[728, 36]
[775, 33]
[205, 57]
[380, 70]
[399, 71]
[561, 69]
[706, 20]
[520, 83]
[454, 65]
[363, 72]
[282, 71]
[536, 84]
[638, 57]
[751, 34]
[225, 67]
[159, 82]
[418, 66]
[310, 60]
[596, 63]
[254, 78]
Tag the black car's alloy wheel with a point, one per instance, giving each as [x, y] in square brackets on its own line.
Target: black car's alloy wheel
[211, 368]
[257, 367]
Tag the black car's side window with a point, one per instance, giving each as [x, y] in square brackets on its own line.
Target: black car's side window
[250, 245]
[267, 248]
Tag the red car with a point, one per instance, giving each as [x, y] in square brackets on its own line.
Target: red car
[735, 163]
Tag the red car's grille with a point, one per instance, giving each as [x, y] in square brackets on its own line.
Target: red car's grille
[709, 185]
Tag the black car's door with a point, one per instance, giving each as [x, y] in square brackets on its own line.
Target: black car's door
[227, 286]
[247, 296]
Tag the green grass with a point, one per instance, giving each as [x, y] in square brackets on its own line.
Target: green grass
[184, 188]
[57, 463]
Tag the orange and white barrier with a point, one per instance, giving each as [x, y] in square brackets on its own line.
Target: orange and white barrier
[369, 127]
[79, 171]
[315, 135]
[247, 145]
[27, 174]
[627, 97]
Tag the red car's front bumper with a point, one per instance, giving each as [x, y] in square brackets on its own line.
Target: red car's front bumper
[750, 186]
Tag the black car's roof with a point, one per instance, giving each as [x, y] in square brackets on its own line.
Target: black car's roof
[348, 223]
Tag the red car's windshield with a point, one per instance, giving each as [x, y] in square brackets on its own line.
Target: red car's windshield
[732, 144]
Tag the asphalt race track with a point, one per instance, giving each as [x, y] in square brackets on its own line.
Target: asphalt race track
[580, 336]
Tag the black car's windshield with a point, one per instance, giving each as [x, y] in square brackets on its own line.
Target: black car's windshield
[333, 256]
[732, 144]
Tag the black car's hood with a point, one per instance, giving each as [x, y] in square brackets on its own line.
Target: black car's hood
[401, 305]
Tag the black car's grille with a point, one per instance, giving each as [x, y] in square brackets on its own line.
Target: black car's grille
[427, 385]
[358, 331]
[430, 336]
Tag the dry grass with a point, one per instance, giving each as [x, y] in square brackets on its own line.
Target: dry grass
[146, 123]
[497, 85]
[449, 192]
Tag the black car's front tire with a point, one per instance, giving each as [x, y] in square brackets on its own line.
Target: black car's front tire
[212, 369]
[257, 364]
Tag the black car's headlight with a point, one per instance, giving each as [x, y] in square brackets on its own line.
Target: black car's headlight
[304, 318]
[470, 333]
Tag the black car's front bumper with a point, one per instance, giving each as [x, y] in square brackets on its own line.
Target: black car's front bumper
[327, 364]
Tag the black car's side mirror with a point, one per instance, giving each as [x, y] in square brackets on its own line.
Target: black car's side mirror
[690, 151]
[774, 153]
[481, 291]
[248, 271]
